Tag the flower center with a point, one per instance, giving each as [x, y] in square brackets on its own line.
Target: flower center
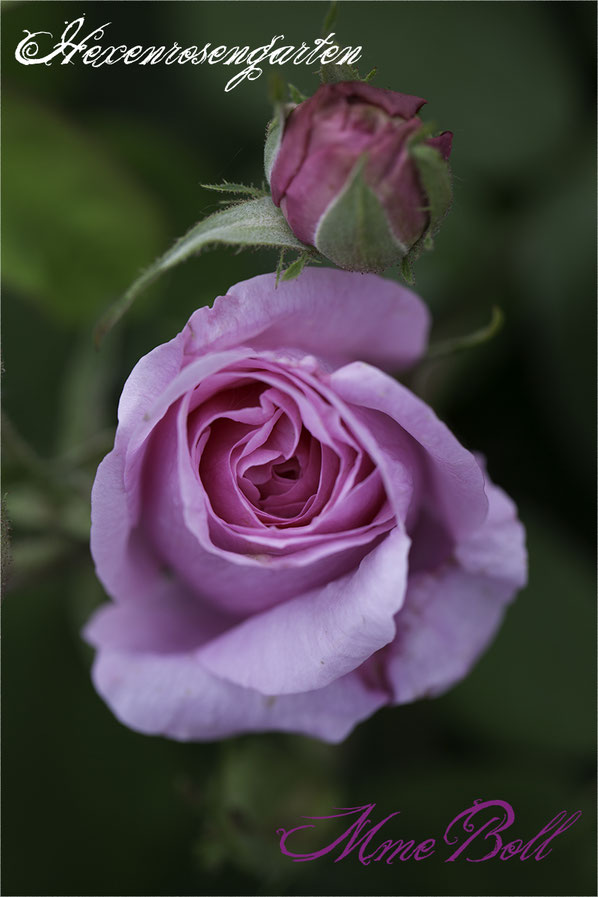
[273, 454]
[281, 487]
[289, 470]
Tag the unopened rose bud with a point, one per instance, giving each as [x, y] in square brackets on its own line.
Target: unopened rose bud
[356, 175]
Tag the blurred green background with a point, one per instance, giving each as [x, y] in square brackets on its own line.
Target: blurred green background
[101, 172]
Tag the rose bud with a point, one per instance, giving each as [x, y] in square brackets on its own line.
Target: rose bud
[356, 175]
[290, 537]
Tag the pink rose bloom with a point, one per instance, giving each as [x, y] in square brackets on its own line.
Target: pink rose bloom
[346, 177]
[290, 537]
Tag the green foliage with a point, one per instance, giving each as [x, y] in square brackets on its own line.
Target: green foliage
[76, 226]
[436, 181]
[296, 95]
[330, 18]
[331, 73]
[435, 177]
[256, 222]
[274, 134]
[235, 188]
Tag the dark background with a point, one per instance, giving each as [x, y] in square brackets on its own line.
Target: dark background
[101, 171]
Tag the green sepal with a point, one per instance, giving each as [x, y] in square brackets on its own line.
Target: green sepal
[435, 177]
[425, 131]
[273, 138]
[331, 73]
[296, 95]
[277, 89]
[256, 222]
[274, 133]
[407, 268]
[354, 231]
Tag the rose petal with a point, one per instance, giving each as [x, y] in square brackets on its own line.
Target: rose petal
[125, 562]
[177, 533]
[394, 103]
[147, 381]
[173, 695]
[326, 100]
[443, 143]
[167, 619]
[124, 565]
[497, 548]
[313, 639]
[453, 477]
[335, 315]
[321, 178]
[450, 615]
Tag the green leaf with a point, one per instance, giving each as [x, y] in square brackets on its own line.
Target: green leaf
[79, 226]
[354, 231]
[235, 188]
[256, 222]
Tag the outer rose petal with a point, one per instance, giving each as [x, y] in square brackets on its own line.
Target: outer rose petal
[450, 615]
[126, 567]
[453, 477]
[147, 381]
[148, 673]
[168, 619]
[313, 639]
[173, 695]
[335, 315]
[125, 563]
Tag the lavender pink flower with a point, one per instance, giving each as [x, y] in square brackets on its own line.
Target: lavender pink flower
[291, 539]
[346, 178]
